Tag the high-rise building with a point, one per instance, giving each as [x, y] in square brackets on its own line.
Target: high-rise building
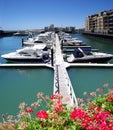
[51, 27]
[101, 22]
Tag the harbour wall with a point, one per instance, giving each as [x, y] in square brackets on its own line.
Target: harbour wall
[6, 33]
[108, 36]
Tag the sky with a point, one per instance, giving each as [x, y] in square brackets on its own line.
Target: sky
[37, 14]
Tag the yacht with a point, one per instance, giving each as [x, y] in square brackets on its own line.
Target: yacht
[72, 41]
[37, 53]
[41, 38]
[32, 41]
[86, 55]
[20, 34]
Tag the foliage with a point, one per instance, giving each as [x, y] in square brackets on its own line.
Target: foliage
[95, 114]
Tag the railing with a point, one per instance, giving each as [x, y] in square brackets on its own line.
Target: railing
[56, 80]
[61, 78]
[72, 93]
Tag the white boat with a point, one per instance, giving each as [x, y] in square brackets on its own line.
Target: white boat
[85, 55]
[32, 42]
[41, 38]
[37, 53]
[21, 34]
[72, 42]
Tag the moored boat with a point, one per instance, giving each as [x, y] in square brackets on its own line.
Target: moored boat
[29, 54]
[72, 42]
[86, 55]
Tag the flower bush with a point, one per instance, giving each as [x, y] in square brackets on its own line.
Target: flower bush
[95, 114]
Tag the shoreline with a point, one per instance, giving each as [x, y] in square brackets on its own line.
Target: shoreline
[107, 36]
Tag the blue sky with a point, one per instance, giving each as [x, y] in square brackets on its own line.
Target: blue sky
[33, 14]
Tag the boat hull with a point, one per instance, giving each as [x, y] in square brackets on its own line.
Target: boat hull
[28, 60]
[85, 55]
[93, 60]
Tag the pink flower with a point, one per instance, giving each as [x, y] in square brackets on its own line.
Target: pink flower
[112, 85]
[110, 124]
[99, 90]
[57, 103]
[103, 125]
[85, 121]
[22, 105]
[88, 99]
[92, 94]
[42, 114]
[110, 98]
[96, 108]
[77, 114]
[59, 110]
[29, 110]
[106, 85]
[56, 96]
[58, 106]
[102, 117]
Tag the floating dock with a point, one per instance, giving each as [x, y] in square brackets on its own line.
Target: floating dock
[62, 83]
[88, 65]
[26, 65]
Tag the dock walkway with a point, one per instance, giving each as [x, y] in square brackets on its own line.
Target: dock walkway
[62, 83]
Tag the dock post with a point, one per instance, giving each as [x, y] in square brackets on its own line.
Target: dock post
[22, 41]
[62, 45]
[51, 56]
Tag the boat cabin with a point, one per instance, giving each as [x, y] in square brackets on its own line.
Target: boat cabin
[80, 52]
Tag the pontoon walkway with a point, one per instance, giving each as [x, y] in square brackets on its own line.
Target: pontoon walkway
[62, 83]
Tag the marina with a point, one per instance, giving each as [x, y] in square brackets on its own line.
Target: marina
[58, 66]
[61, 77]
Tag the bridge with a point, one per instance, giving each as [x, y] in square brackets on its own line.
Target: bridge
[62, 83]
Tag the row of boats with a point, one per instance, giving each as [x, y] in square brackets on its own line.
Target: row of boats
[35, 49]
[82, 52]
[38, 49]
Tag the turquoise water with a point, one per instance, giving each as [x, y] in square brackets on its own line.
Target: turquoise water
[23, 84]
[89, 79]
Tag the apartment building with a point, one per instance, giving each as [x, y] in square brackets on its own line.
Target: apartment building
[101, 22]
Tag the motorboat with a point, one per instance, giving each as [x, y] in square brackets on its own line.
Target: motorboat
[63, 35]
[32, 42]
[72, 42]
[41, 38]
[21, 34]
[37, 53]
[86, 55]
[68, 40]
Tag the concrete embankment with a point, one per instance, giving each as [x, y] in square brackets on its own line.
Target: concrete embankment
[109, 36]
